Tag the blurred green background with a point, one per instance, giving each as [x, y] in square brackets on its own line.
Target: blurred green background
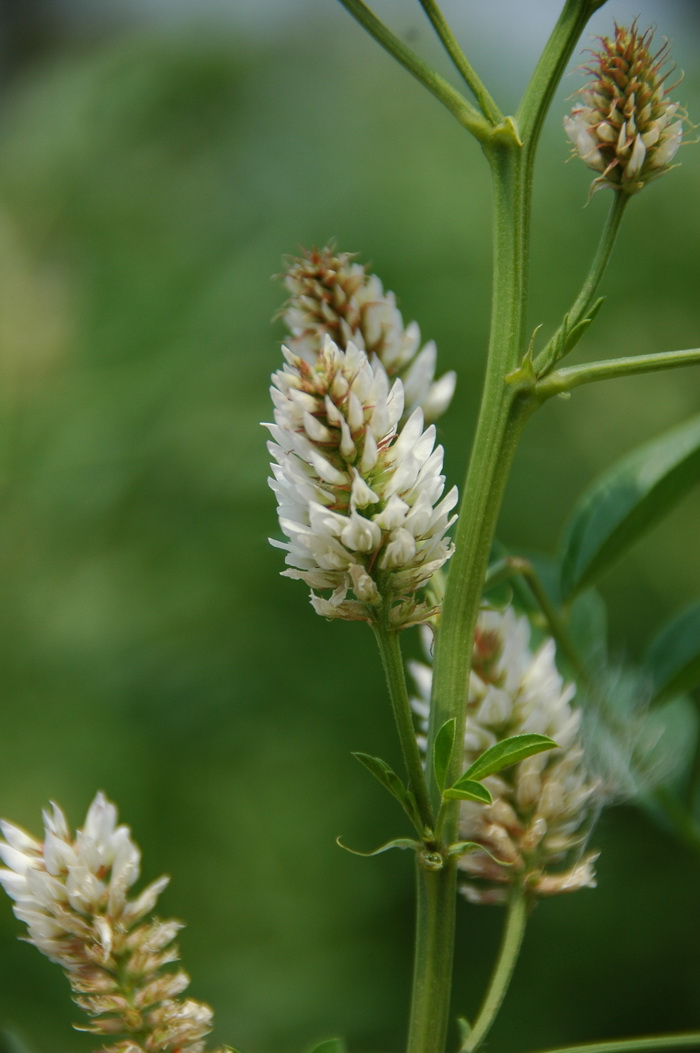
[154, 168]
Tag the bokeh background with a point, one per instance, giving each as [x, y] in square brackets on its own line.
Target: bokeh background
[157, 159]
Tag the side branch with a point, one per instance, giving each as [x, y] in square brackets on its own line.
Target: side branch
[564, 380]
[467, 115]
[584, 307]
[489, 108]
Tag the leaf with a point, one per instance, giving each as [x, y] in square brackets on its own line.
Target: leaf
[460, 848]
[442, 751]
[398, 842]
[385, 774]
[331, 1045]
[673, 658]
[507, 752]
[626, 501]
[468, 790]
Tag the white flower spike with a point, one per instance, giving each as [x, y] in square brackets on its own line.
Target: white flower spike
[73, 895]
[535, 830]
[359, 500]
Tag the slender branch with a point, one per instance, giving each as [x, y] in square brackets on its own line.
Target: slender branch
[609, 369]
[652, 1044]
[489, 108]
[550, 68]
[459, 107]
[390, 651]
[565, 337]
[511, 565]
[510, 948]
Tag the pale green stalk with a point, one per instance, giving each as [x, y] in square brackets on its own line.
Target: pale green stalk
[390, 651]
[459, 107]
[510, 949]
[557, 347]
[462, 64]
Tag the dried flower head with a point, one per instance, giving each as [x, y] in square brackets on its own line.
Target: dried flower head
[544, 806]
[624, 125]
[72, 893]
[332, 295]
[358, 498]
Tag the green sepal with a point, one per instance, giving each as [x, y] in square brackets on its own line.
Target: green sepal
[330, 1045]
[385, 774]
[442, 752]
[398, 842]
[627, 500]
[468, 790]
[508, 751]
[673, 657]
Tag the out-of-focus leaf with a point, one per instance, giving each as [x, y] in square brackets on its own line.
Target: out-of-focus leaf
[11, 1042]
[673, 658]
[442, 751]
[626, 501]
[503, 754]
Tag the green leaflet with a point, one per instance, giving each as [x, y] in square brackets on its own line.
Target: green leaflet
[503, 754]
[673, 657]
[627, 500]
[385, 774]
[468, 790]
[398, 842]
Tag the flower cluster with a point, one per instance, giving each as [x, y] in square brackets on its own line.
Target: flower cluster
[359, 499]
[72, 893]
[332, 295]
[624, 125]
[543, 807]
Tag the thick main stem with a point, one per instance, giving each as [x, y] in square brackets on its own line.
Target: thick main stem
[503, 411]
[432, 976]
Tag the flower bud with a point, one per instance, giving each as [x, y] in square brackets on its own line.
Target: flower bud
[332, 295]
[624, 125]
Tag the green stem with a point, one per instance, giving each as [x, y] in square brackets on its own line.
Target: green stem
[390, 651]
[502, 414]
[432, 976]
[510, 948]
[610, 369]
[564, 339]
[471, 78]
[511, 565]
[467, 115]
[652, 1044]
